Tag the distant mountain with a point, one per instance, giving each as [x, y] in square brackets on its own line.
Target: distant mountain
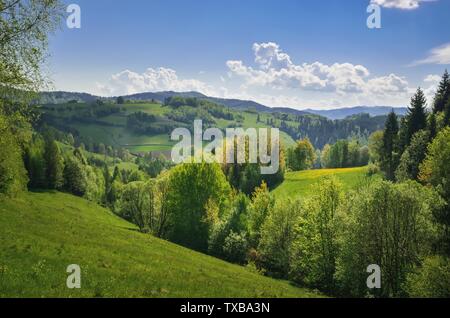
[341, 113]
[338, 113]
[63, 97]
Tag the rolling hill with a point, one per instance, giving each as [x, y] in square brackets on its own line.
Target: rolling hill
[338, 113]
[341, 113]
[299, 183]
[43, 233]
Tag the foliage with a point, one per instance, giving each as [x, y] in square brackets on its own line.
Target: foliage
[413, 156]
[389, 155]
[302, 156]
[277, 235]
[54, 165]
[431, 279]
[315, 248]
[191, 186]
[435, 170]
[390, 225]
[261, 206]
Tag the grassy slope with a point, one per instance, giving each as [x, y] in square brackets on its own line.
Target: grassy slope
[120, 136]
[299, 183]
[42, 233]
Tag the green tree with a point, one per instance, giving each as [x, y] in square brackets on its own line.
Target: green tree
[376, 146]
[435, 170]
[315, 248]
[277, 235]
[303, 155]
[261, 206]
[120, 100]
[416, 118]
[442, 94]
[54, 165]
[24, 26]
[75, 178]
[431, 279]
[389, 150]
[387, 224]
[413, 156]
[191, 186]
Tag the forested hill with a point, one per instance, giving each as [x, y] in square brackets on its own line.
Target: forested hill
[146, 125]
[58, 97]
[341, 113]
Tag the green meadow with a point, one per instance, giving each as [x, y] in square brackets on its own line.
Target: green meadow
[43, 233]
[299, 183]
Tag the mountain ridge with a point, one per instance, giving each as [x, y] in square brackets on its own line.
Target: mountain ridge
[57, 97]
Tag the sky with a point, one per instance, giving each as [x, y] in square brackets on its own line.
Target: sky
[295, 53]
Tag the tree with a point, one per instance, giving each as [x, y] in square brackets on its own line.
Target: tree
[389, 149]
[75, 178]
[261, 206]
[303, 155]
[54, 165]
[24, 26]
[435, 170]
[442, 94]
[191, 186]
[120, 100]
[376, 146]
[315, 248]
[277, 235]
[135, 203]
[390, 225]
[413, 156]
[416, 118]
[431, 279]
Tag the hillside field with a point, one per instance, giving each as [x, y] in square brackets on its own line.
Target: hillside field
[299, 183]
[43, 233]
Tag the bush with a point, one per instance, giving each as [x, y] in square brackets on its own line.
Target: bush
[315, 248]
[432, 279]
[390, 225]
[372, 169]
[277, 235]
[235, 248]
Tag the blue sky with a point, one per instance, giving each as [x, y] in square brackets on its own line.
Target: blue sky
[297, 53]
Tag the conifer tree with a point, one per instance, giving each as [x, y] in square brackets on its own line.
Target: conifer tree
[417, 114]
[389, 151]
[54, 165]
[442, 93]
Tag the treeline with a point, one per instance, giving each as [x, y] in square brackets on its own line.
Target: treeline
[321, 131]
[193, 106]
[342, 154]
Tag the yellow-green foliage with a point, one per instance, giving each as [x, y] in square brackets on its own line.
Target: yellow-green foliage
[42, 233]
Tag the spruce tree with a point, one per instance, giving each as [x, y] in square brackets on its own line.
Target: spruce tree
[54, 165]
[389, 154]
[442, 93]
[417, 114]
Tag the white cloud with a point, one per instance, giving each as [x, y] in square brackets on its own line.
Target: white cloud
[160, 79]
[432, 78]
[274, 79]
[277, 71]
[400, 4]
[438, 55]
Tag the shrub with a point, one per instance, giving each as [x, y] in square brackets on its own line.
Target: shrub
[432, 279]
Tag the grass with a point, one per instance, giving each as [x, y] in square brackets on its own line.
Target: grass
[299, 183]
[114, 131]
[42, 233]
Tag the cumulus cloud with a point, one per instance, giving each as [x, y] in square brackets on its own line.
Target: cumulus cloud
[438, 55]
[275, 70]
[160, 79]
[400, 4]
